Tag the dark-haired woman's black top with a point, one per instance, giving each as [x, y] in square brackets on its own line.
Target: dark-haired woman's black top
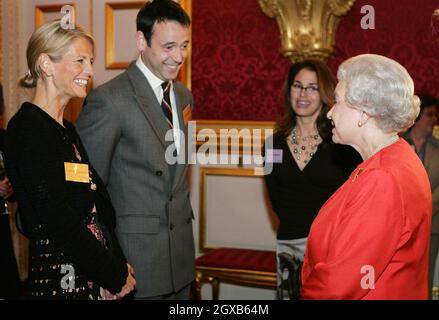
[65, 237]
[297, 196]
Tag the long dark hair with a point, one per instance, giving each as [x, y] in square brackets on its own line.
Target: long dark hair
[326, 83]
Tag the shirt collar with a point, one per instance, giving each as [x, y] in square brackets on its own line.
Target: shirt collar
[153, 80]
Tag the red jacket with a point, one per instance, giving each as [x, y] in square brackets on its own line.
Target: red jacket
[371, 238]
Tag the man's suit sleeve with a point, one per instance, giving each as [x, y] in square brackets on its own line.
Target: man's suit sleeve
[99, 128]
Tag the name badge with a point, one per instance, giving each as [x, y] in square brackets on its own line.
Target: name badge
[76, 172]
[187, 114]
[273, 155]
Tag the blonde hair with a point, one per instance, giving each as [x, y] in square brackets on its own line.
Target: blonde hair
[54, 40]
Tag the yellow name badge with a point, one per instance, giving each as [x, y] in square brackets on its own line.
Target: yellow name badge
[77, 172]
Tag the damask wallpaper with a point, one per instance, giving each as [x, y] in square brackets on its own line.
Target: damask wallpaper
[238, 72]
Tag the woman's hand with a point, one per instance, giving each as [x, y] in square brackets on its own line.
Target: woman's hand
[129, 284]
[107, 295]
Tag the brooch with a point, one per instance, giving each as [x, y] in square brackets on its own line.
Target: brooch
[356, 174]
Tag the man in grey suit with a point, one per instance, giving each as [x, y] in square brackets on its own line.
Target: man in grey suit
[427, 147]
[123, 127]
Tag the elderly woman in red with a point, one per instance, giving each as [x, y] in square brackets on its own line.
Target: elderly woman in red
[370, 240]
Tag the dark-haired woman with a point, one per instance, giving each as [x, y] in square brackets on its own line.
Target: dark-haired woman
[308, 167]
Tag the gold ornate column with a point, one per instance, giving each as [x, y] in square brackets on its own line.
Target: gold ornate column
[307, 27]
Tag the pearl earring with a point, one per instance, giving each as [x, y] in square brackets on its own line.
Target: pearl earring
[360, 124]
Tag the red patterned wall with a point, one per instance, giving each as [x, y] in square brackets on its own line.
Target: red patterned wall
[238, 72]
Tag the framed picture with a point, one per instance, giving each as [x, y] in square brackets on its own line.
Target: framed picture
[230, 217]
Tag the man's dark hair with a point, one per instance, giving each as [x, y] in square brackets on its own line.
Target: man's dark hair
[160, 11]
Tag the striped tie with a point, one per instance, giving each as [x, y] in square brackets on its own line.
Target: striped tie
[166, 102]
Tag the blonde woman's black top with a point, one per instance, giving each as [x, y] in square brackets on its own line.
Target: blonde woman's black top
[56, 211]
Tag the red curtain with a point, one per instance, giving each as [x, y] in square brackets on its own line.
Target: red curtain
[238, 72]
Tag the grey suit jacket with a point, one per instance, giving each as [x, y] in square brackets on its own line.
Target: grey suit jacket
[123, 129]
[431, 163]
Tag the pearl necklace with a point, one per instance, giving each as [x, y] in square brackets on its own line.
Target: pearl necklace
[385, 144]
[301, 151]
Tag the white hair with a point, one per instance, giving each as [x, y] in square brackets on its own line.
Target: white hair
[382, 88]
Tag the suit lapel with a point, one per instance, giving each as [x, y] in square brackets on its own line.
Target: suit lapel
[179, 101]
[180, 168]
[150, 107]
[148, 104]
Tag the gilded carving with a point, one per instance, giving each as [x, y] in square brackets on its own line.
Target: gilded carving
[304, 8]
[307, 27]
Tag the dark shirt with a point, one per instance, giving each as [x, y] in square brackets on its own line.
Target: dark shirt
[9, 281]
[37, 147]
[421, 152]
[2, 176]
[297, 196]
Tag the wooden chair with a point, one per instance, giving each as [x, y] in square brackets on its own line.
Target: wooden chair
[255, 268]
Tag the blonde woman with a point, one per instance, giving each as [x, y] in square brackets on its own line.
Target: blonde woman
[64, 207]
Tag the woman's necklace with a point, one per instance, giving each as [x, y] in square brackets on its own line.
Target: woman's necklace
[385, 144]
[303, 148]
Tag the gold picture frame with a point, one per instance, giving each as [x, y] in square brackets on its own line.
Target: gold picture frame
[40, 10]
[205, 172]
[110, 61]
[239, 140]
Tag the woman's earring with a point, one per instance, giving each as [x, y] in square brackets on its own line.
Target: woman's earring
[360, 124]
